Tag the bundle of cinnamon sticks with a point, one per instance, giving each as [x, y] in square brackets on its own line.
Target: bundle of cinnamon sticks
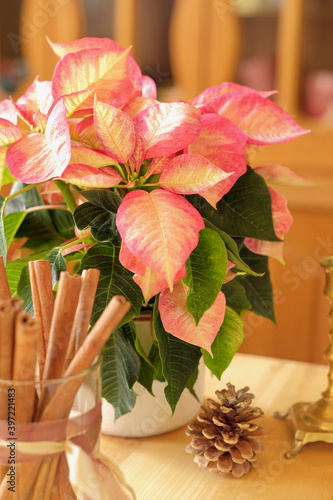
[53, 344]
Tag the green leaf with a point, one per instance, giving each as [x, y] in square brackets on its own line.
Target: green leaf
[63, 221]
[19, 281]
[12, 222]
[205, 271]
[155, 360]
[3, 244]
[36, 225]
[179, 361]
[41, 245]
[14, 269]
[99, 214]
[120, 369]
[58, 264]
[146, 374]
[259, 290]
[226, 343]
[232, 250]
[108, 200]
[191, 382]
[75, 256]
[101, 221]
[235, 295]
[24, 290]
[7, 177]
[129, 334]
[114, 280]
[245, 211]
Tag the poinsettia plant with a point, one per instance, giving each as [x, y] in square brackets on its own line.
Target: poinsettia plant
[158, 196]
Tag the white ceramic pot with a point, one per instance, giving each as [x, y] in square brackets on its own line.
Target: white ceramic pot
[152, 415]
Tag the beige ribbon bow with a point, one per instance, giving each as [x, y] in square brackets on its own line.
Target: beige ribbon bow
[84, 473]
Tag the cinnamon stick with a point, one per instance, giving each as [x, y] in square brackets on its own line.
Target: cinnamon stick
[38, 314]
[61, 326]
[27, 330]
[63, 398]
[83, 312]
[45, 290]
[43, 303]
[7, 322]
[8, 311]
[24, 369]
[62, 323]
[4, 286]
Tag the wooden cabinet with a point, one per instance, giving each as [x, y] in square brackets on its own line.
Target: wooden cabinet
[206, 45]
[301, 331]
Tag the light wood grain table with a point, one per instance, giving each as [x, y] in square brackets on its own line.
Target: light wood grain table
[158, 468]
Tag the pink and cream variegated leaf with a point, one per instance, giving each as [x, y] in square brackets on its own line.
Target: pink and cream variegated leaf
[94, 68]
[50, 193]
[75, 248]
[136, 159]
[190, 174]
[222, 143]
[86, 132]
[158, 164]
[180, 323]
[61, 49]
[115, 131]
[229, 274]
[3, 152]
[90, 177]
[263, 121]
[160, 228]
[148, 87]
[128, 260]
[282, 221]
[152, 283]
[225, 88]
[9, 132]
[37, 97]
[40, 120]
[138, 104]
[278, 174]
[89, 156]
[75, 103]
[37, 157]
[167, 127]
[8, 111]
[73, 131]
[105, 44]
[271, 248]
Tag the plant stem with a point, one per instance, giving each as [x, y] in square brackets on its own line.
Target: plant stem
[47, 207]
[66, 192]
[75, 242]
[23, 190]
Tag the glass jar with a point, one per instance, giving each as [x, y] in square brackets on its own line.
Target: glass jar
[53, 453]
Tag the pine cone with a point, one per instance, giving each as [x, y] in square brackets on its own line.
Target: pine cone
[224, 438]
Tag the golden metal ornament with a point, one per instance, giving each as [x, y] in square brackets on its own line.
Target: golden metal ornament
[314, 422]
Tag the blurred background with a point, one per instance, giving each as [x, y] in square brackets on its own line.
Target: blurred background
[187, 45]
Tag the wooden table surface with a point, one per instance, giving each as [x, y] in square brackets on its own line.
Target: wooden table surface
[158, 468]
